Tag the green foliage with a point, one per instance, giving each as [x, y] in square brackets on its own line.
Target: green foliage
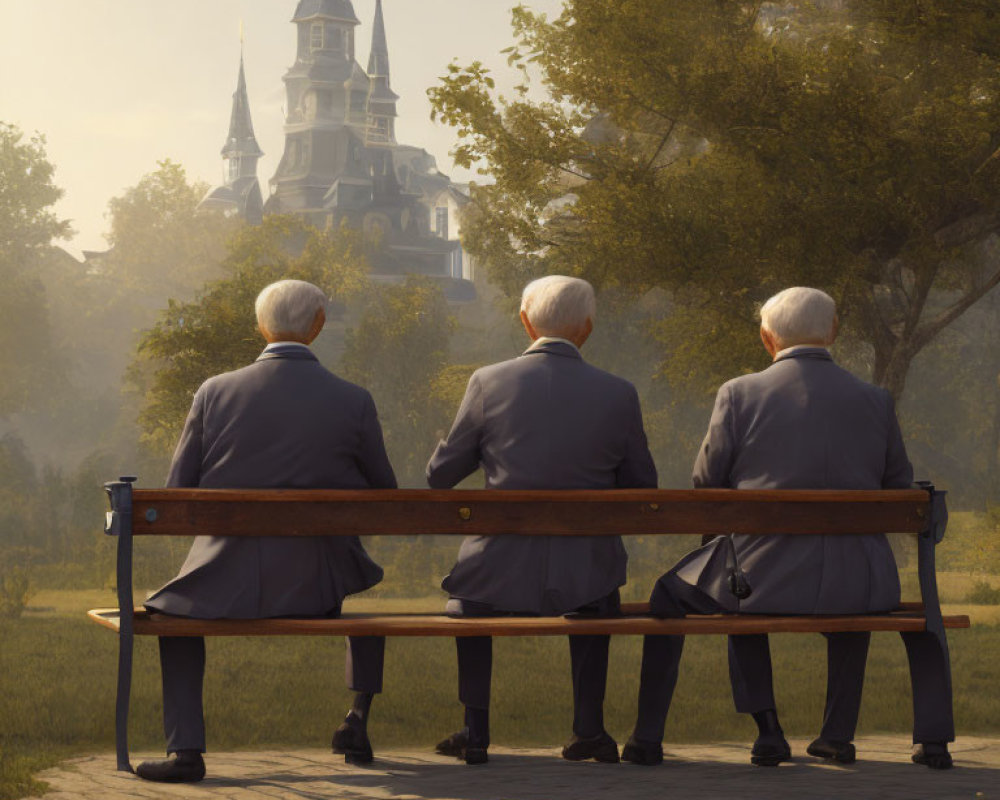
[50, 525]
[397, 351]
[28, 225]
[15, 592]
[27, 194]
[217, 332]
[725, 150]
[162, 245]
[983, 594]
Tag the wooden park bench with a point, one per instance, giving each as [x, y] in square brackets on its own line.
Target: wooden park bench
[279, 512]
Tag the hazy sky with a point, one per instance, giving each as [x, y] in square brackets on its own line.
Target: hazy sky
[116, 85]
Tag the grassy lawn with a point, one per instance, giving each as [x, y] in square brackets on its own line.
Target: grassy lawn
[57, 679]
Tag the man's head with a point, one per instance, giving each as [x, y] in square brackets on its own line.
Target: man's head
[291, 311]
[559, 306]
[798, 316]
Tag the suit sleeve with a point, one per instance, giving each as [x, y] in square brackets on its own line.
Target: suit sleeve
[185, 469]
[714, 464]
[372, 459]
[459, 455]
[898, 472]
[637, 470]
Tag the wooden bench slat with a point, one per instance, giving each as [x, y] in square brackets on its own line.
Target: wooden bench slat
[191, 512]
[147, 624]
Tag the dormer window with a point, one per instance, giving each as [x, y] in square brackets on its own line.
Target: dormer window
[316, 40]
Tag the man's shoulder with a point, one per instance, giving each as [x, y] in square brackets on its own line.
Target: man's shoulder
[532, 362]
[252, 375]
[824, 372]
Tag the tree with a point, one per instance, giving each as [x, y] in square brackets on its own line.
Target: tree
[28, 226]
[399, 352]
[725, 150]
[162, 245]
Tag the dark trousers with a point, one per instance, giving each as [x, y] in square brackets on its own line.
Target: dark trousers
[182, 662]
[749, 667]
[661, 655]
[588, 658]
[751, 673]
[846, 656]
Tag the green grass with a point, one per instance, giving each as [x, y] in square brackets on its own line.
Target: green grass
[57, 681]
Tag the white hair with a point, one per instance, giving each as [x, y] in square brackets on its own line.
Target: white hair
[800, 315]
[289, 307]
[557, 305]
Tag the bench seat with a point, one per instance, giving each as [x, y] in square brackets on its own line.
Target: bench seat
[909, 617]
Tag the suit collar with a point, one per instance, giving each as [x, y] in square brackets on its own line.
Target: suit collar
[553, 347]
[820, 353]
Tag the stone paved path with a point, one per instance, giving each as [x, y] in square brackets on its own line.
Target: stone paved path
[704, 772]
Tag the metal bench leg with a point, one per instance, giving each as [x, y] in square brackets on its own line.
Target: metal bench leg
[930, 676]
[120, 524]
[927, 651]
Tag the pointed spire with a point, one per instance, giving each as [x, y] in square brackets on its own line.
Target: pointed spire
[241, 140]
[378, 61]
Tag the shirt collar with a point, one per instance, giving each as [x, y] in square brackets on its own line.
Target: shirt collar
[276, 345]
[794, 350]
[541, 341]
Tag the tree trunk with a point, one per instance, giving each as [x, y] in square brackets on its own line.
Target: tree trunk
[891, 370]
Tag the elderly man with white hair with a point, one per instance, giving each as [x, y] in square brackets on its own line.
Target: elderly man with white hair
[282, 422]
[803, 423]
[544, 420]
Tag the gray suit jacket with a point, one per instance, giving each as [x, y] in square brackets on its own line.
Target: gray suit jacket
[282, 422]
[803, 423]
[545, 420]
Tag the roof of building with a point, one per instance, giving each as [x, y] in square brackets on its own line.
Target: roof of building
[334, 9]
[243, 195]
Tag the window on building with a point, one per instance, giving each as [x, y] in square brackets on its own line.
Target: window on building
[316, 41]
[441, 221]
[378, 129]
[234, 168]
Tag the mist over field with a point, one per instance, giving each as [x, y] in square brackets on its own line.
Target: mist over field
[689, 163]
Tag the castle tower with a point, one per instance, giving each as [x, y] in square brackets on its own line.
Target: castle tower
[241, 192]
[327, 106]
[381, 100]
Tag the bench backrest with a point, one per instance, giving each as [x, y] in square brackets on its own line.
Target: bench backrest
[283, 512]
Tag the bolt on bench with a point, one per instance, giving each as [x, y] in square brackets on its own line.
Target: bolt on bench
[281, 512]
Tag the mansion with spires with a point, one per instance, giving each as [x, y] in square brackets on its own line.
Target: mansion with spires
[342, 163]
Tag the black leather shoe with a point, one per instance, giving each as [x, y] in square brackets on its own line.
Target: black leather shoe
[457, 746]
[638, 751]
[187, 766]
[841, 752]
[600, 748]
[476, 755]
[351, 741]
[770, 749]
[932, 754]
[454, 745]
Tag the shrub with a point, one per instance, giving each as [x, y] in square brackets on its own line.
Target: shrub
[983, 594]
[15, 591]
